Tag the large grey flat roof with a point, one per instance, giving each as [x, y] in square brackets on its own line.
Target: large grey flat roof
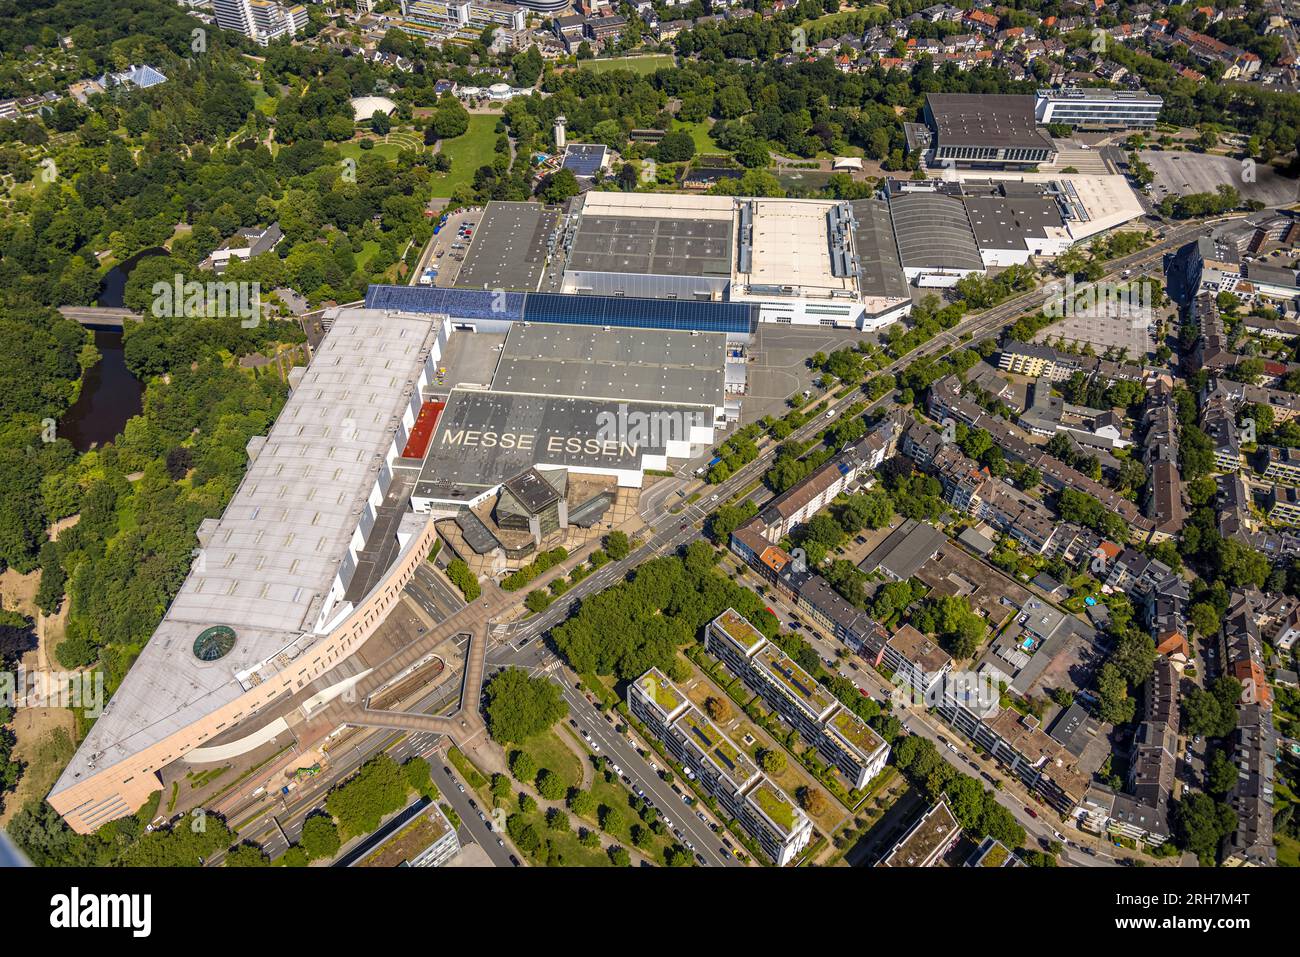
[652, 245]
[1004, 222]
[589, 361]
[271, 559]
[907, 548]
[484, 438]
[509, 247]
[880, 271]
[934, 231]
[981, 119]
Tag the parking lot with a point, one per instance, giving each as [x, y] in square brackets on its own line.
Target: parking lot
[446, 250]
[1181, 174]
[778, 365]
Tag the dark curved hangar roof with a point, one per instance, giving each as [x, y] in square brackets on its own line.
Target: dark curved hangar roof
[934, 232]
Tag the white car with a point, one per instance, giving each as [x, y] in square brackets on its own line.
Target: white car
[617, 769]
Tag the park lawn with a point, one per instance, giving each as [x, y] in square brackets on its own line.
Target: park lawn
[566, 843]
[637, 64]
[700, 133]
[548, 751]
[352, 150]
[467, 152]
[264, 102]
[368, 250]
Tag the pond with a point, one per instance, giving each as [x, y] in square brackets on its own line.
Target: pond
[109, 393]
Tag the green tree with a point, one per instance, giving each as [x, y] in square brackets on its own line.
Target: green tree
[617, 545]
[550, 785]
[320, 837]
[772, 761]
[520, 706]
[522, 766]
[559, 187]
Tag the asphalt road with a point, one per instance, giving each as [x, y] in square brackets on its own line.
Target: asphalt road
[637, 769]
[473, 828]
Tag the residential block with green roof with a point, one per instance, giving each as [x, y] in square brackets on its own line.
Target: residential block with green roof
[719, 768]
[841, 737]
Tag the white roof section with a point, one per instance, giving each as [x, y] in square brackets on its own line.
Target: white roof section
[270, 561]
[659, 205]
[1108, 199]
[791, 246]
[364, 107]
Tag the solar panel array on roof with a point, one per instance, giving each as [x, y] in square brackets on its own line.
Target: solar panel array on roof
[684, 314]
[583, 159]
[457, 303]
[687, 315]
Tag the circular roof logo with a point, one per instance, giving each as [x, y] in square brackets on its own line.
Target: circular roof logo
[214, 643]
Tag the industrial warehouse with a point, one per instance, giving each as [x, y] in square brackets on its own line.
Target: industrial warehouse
[810, 262]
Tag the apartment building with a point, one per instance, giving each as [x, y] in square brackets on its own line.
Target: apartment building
[1033, 359]
[1016, 741]
[428, 840]
[1141, 813]
[927, 841]
[806, 498]
[840, 736]
[808, 591]
[1284, 505]
[1281, 465]
[1254, 753]
[260, 20]
[1242, 650]
[945, 400]
[722, 770]
[915, 661]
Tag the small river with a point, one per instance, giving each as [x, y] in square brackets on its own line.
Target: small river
[109, 393]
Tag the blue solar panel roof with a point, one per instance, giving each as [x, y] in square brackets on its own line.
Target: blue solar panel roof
[457, 303]
[583, 160]
[684, 315]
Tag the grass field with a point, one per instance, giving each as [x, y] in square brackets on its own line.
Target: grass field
[263, 102]
[368, 249]
[467, 152]
[352, 149]
[548, 751]
[700, 134]
[637, 64]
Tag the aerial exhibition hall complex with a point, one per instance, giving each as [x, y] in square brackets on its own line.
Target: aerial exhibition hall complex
[547, 434]
[424, 403]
